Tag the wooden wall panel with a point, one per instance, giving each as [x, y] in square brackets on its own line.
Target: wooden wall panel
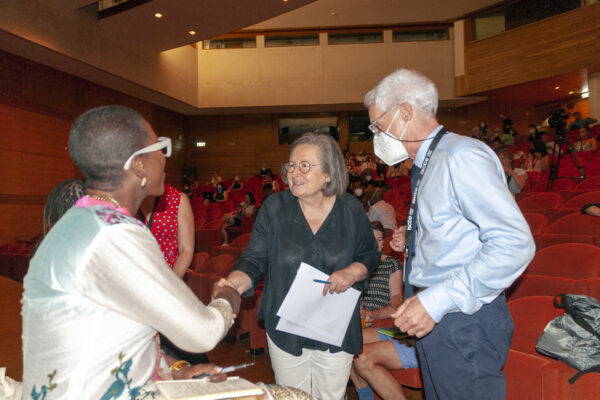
[37, 108]
[235, 144]
[20, 221]
[546, 48]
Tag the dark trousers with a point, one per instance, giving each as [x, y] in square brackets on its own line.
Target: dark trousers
[462, 357]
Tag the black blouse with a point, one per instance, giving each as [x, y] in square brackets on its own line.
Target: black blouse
[281, 239]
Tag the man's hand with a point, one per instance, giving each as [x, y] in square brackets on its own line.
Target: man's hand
[397, 242]
[412, 318]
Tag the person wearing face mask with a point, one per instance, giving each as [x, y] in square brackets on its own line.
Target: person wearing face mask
[461, 255]
[220, 193]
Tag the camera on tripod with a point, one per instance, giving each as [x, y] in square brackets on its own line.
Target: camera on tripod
[558, 120]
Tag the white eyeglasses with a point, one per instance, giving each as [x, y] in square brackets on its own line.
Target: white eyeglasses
[164, 144]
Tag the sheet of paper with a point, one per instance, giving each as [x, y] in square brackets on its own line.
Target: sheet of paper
[306, 312]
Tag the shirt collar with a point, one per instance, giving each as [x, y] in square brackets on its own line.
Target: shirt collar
[425, 146]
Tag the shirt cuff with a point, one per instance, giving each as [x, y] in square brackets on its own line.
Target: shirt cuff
[436, 301]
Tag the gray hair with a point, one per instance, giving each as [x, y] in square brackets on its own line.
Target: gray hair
[100, 141]
[404, 86]
[331, 159]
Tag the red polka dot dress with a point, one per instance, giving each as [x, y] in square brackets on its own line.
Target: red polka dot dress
[163, 223]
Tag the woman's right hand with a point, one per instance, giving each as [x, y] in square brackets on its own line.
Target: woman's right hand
[398, 238]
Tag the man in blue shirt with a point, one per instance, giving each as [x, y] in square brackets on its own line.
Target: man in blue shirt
[469, 242]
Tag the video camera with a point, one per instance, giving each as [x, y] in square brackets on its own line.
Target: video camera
[558, 120]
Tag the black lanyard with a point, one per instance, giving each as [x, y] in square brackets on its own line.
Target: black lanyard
[413, 203]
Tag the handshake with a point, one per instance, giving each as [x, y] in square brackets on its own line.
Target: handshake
[229, 294]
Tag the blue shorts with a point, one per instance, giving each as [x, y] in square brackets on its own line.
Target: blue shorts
[406, 354]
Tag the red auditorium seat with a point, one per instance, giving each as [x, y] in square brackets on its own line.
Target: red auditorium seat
[541, 200]
[208, 235]
[557, 269]
[537, 222]
[235, 248]
[593, 170]
[543, 240]
[569, 260]
[199, 259]
[531, 375]
[592, 182]
[577, 224]
[583, 198]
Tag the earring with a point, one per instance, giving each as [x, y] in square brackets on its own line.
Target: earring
[144, 182]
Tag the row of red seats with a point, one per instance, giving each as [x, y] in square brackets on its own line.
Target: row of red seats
[208, 268]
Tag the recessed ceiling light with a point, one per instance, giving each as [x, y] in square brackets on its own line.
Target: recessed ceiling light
[158, 15]
[192, 33]
[571, 92]
[556, 87]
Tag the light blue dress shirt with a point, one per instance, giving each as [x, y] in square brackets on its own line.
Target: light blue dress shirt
[472, 239]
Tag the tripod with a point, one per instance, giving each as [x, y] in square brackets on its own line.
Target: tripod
[553, 172]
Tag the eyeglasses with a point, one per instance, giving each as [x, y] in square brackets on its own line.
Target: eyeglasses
[375, 129]
[303, 166]
[164, 144]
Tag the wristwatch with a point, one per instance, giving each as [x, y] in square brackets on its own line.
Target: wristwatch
[179, 365]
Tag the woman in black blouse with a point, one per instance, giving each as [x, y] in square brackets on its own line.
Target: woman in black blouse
[318, 223]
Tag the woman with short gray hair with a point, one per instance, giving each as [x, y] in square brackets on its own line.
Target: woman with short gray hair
[318, 223]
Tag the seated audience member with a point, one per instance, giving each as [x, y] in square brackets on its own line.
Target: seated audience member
[368, 163]
[585, 143]
[401, 169]
[245, 209]
[591, 209]
[370, 370]
[483, 127]
[506, 123]
[60, 199]
[537, 161]
[367, 179]
[171, 220]
[215, 178]
[515, 177]
[98, 289]
[220, 195]
[380, 210]
[269, 185]
[237, 184]
[509, 138]
[579, 122]
[380, 170]
[532, 133]
[263, 171]
[496, 143]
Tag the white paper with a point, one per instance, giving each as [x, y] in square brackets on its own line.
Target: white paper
[306, 312]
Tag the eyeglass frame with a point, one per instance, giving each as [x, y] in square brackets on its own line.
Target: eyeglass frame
[163, 143]
[375, 130]
[293, 165]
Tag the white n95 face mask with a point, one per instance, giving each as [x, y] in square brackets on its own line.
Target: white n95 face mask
[389, 149]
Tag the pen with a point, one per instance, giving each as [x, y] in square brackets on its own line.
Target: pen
[224, 370]
[322, 281]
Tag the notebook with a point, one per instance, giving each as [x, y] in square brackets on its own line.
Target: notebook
[196, 389]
